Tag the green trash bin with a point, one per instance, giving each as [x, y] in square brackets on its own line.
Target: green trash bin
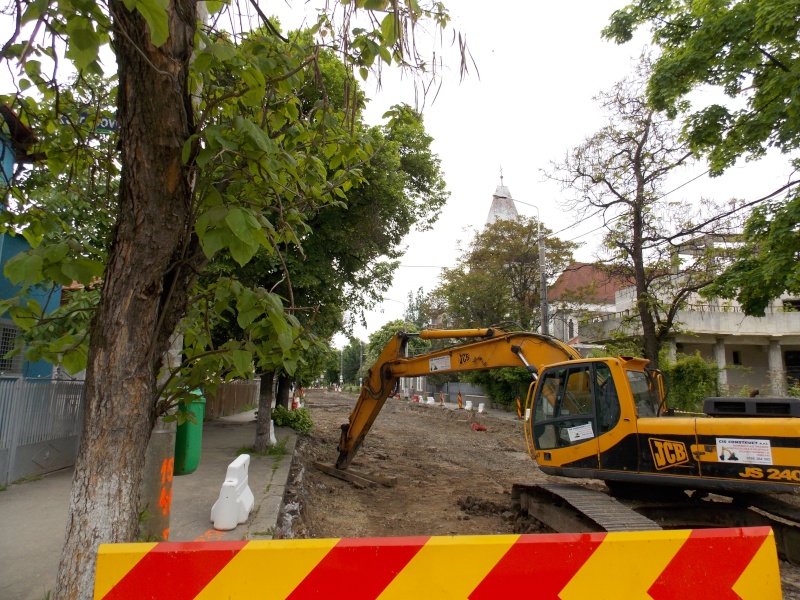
[189, 438]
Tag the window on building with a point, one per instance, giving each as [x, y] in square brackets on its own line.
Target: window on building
[8, 338]
[791, 305]
[737, 357]
[571, 329]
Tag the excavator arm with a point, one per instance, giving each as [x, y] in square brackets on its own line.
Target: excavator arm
[493, 349]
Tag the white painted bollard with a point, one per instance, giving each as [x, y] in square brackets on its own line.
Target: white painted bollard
[480, 408]
[468, 405]
[235, 498]
[273, 441]
[431, 400]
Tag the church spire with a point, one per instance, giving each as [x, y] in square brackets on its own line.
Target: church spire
[502, 204]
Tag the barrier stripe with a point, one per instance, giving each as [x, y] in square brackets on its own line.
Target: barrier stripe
[268, 570]
[531, 559]
[755, 582]
[181, 568]
[625, 565]
[652, 565]
[451, 566]
[114, 562]
[682, 580]
[359, 560]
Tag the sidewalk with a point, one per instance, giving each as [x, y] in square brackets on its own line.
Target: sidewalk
[33, 515]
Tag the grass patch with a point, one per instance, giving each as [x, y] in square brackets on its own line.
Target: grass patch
[269, 531]
[248, 407]
[277, 450]
[27, 478]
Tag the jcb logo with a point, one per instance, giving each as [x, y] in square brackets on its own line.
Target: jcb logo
[667, 453]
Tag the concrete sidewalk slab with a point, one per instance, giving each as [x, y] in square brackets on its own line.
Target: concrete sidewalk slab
[33, 514]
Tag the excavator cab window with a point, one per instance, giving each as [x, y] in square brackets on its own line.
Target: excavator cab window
[563, 413]
[646, 404]
[608, 409]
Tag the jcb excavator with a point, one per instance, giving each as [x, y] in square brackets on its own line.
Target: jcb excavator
[605, 418]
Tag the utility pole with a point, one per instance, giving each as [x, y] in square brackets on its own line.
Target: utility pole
[543, 273]
[360, 362]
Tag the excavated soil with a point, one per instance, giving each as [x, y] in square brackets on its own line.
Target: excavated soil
[450, 478]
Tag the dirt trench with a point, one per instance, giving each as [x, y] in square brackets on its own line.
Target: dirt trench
[450, 479]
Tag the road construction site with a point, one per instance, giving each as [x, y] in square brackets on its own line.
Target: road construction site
[427, 471]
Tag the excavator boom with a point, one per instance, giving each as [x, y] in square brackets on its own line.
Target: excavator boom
[492, 349]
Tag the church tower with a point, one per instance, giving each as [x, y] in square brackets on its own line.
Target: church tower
[503, 207]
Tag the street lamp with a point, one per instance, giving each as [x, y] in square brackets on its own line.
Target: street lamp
[405, 312]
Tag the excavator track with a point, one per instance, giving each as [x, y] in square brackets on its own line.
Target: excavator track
[564, 507]
[571, 508]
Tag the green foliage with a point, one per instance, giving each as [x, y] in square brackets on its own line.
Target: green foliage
[766, 263]
[503, 385]
[498, 280]
[690, 380]
[379, 339]
[298, 419]
[748, 50]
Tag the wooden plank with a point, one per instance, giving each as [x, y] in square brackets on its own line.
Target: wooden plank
[384, 481]
[345, 476]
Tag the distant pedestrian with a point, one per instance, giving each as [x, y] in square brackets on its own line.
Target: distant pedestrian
[441, 398]
[460, 401]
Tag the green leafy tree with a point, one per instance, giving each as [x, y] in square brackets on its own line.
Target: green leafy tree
[666, 250]
[353, 361]
[748, 50]
[379, 339]
[233, 163]
[498, 279]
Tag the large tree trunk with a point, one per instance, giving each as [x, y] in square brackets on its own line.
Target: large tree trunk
[144, 291]
[264, 413]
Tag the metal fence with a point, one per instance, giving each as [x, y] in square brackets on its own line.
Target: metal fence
[40, 424]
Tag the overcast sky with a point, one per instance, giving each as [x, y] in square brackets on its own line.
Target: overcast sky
[540, 66]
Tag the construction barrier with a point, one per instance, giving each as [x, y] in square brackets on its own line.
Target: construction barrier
[662, 565]
[235, 497]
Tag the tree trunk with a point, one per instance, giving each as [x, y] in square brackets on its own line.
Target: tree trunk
[144, 292]
[284, 387]
[264, 413]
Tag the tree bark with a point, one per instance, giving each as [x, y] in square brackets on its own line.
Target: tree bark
[144, 293]
[264, 413]
[284, 387]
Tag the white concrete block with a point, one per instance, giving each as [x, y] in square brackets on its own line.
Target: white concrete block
[468, 405]
[235, 498]
[431, 400]
[481, 408]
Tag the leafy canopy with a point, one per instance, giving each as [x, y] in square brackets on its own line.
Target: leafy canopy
[750, 51]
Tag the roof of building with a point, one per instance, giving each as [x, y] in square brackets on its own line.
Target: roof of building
[583, 275]
[503, 207]
[502, 192]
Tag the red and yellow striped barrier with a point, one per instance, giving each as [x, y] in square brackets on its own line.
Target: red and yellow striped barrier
[662, 565]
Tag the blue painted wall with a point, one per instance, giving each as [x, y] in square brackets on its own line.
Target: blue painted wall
[50, 300]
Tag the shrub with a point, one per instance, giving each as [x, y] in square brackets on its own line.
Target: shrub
[690, 381]
[299, 419]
